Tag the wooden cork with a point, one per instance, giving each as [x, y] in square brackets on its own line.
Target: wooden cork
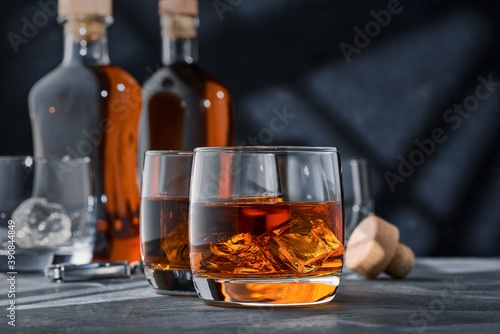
[178, 26]
[184, 7]
[374, 247]
[85, 7]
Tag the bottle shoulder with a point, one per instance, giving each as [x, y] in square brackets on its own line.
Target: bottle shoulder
[79, 76]
[77, 82]
[66, 75]
[192, 77]
[117, 73]
[65, 78]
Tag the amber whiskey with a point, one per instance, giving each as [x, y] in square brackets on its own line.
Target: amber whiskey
[87, 107]
[272, 241]
[165, 244]
[184, 106]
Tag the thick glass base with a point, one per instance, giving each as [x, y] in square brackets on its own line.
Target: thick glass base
[285, 292]
[170, 282]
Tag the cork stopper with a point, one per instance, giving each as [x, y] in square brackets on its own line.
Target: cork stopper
[402, 262]
[374, 247]
[85, 7]
[184, 7]
[178, 26]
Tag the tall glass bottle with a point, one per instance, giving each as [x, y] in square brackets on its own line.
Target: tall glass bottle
[184, 106]
[87, 107]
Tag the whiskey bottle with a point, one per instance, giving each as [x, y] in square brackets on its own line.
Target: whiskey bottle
[87, 107]
[184, 106]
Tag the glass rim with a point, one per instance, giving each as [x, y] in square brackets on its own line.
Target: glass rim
[62, 158]
[169, 152]
[268, 149]
[15, 157]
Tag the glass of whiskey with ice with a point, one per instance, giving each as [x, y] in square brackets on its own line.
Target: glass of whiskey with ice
[266, 225]
[164, 221]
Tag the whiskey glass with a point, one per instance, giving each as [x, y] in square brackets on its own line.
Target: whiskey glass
[64, 199]
[16, 185]
[51, 205]
[266, 225]
[358, 201]
[164, 221]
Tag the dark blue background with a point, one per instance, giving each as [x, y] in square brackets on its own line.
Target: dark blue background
[285, 53]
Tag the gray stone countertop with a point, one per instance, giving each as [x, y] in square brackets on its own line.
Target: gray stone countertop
[441, 295]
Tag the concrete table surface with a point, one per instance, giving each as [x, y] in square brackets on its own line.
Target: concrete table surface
[441, 295]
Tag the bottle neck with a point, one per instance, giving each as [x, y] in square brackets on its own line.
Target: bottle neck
[85, 40]
[180, 41]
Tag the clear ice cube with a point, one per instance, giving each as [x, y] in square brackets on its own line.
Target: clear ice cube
[301, 243]
[176, 245]
[40, 224]
[239, 254]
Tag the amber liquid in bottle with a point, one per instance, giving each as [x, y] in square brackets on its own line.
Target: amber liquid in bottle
[86, 107]
[184, 106]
